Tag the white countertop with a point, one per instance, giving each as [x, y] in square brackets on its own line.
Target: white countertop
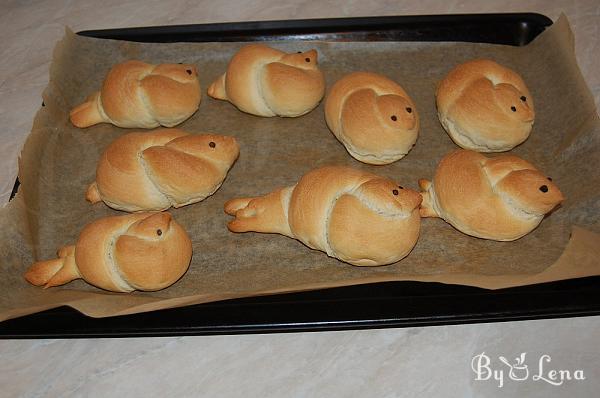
[429, 361]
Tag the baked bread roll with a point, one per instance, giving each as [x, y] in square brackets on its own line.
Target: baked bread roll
[164, 168]
[501, 198]
[485, 107]
[267, 82]
[140, 95]
[144, 251]
[357, 217]
[373, 117]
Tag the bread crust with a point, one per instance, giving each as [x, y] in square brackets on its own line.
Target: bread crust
[164, 168]
[485, 106]
[501, 198]
[373, 117]
[135, 94]
[263, 81]
[355, 216]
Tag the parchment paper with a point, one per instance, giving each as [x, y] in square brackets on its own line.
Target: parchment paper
[59, 161]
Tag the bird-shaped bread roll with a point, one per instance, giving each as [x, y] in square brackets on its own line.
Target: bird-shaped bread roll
[485, 107]
[501, 198]
[355, 216]
[373, 117]
[264, 81]
[164, 168]
[144, 251]
[140, 95]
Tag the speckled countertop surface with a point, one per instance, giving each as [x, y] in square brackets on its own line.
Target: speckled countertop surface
[430, 361]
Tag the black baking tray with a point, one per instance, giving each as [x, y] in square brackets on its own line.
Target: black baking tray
[389, 304]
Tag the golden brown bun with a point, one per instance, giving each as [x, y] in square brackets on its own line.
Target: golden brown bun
[144, 251]
[485, 107]
[373, 117]
[501, 198]
[140, 95]
[357, 217]
[164, 168]
[264, 81]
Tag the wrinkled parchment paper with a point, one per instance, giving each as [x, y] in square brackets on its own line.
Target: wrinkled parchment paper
[59, 161]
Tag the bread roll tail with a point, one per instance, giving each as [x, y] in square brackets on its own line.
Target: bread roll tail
[217, 88]
[424, 184]
[92, 194]
[261, 214]
[426, 209]
[232, 206]
[54, 272]
[88, 113]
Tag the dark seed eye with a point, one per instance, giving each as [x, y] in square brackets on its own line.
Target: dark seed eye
[299, 52]
[544, 188]
[513, 108]
[158, 232]
[400, 186]
[307, 59]
[523, 98]
[395, 192]
[394, 118]
[408, 109]
[549, 178]
[179, 63]
[212, 144]
[189, 71]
